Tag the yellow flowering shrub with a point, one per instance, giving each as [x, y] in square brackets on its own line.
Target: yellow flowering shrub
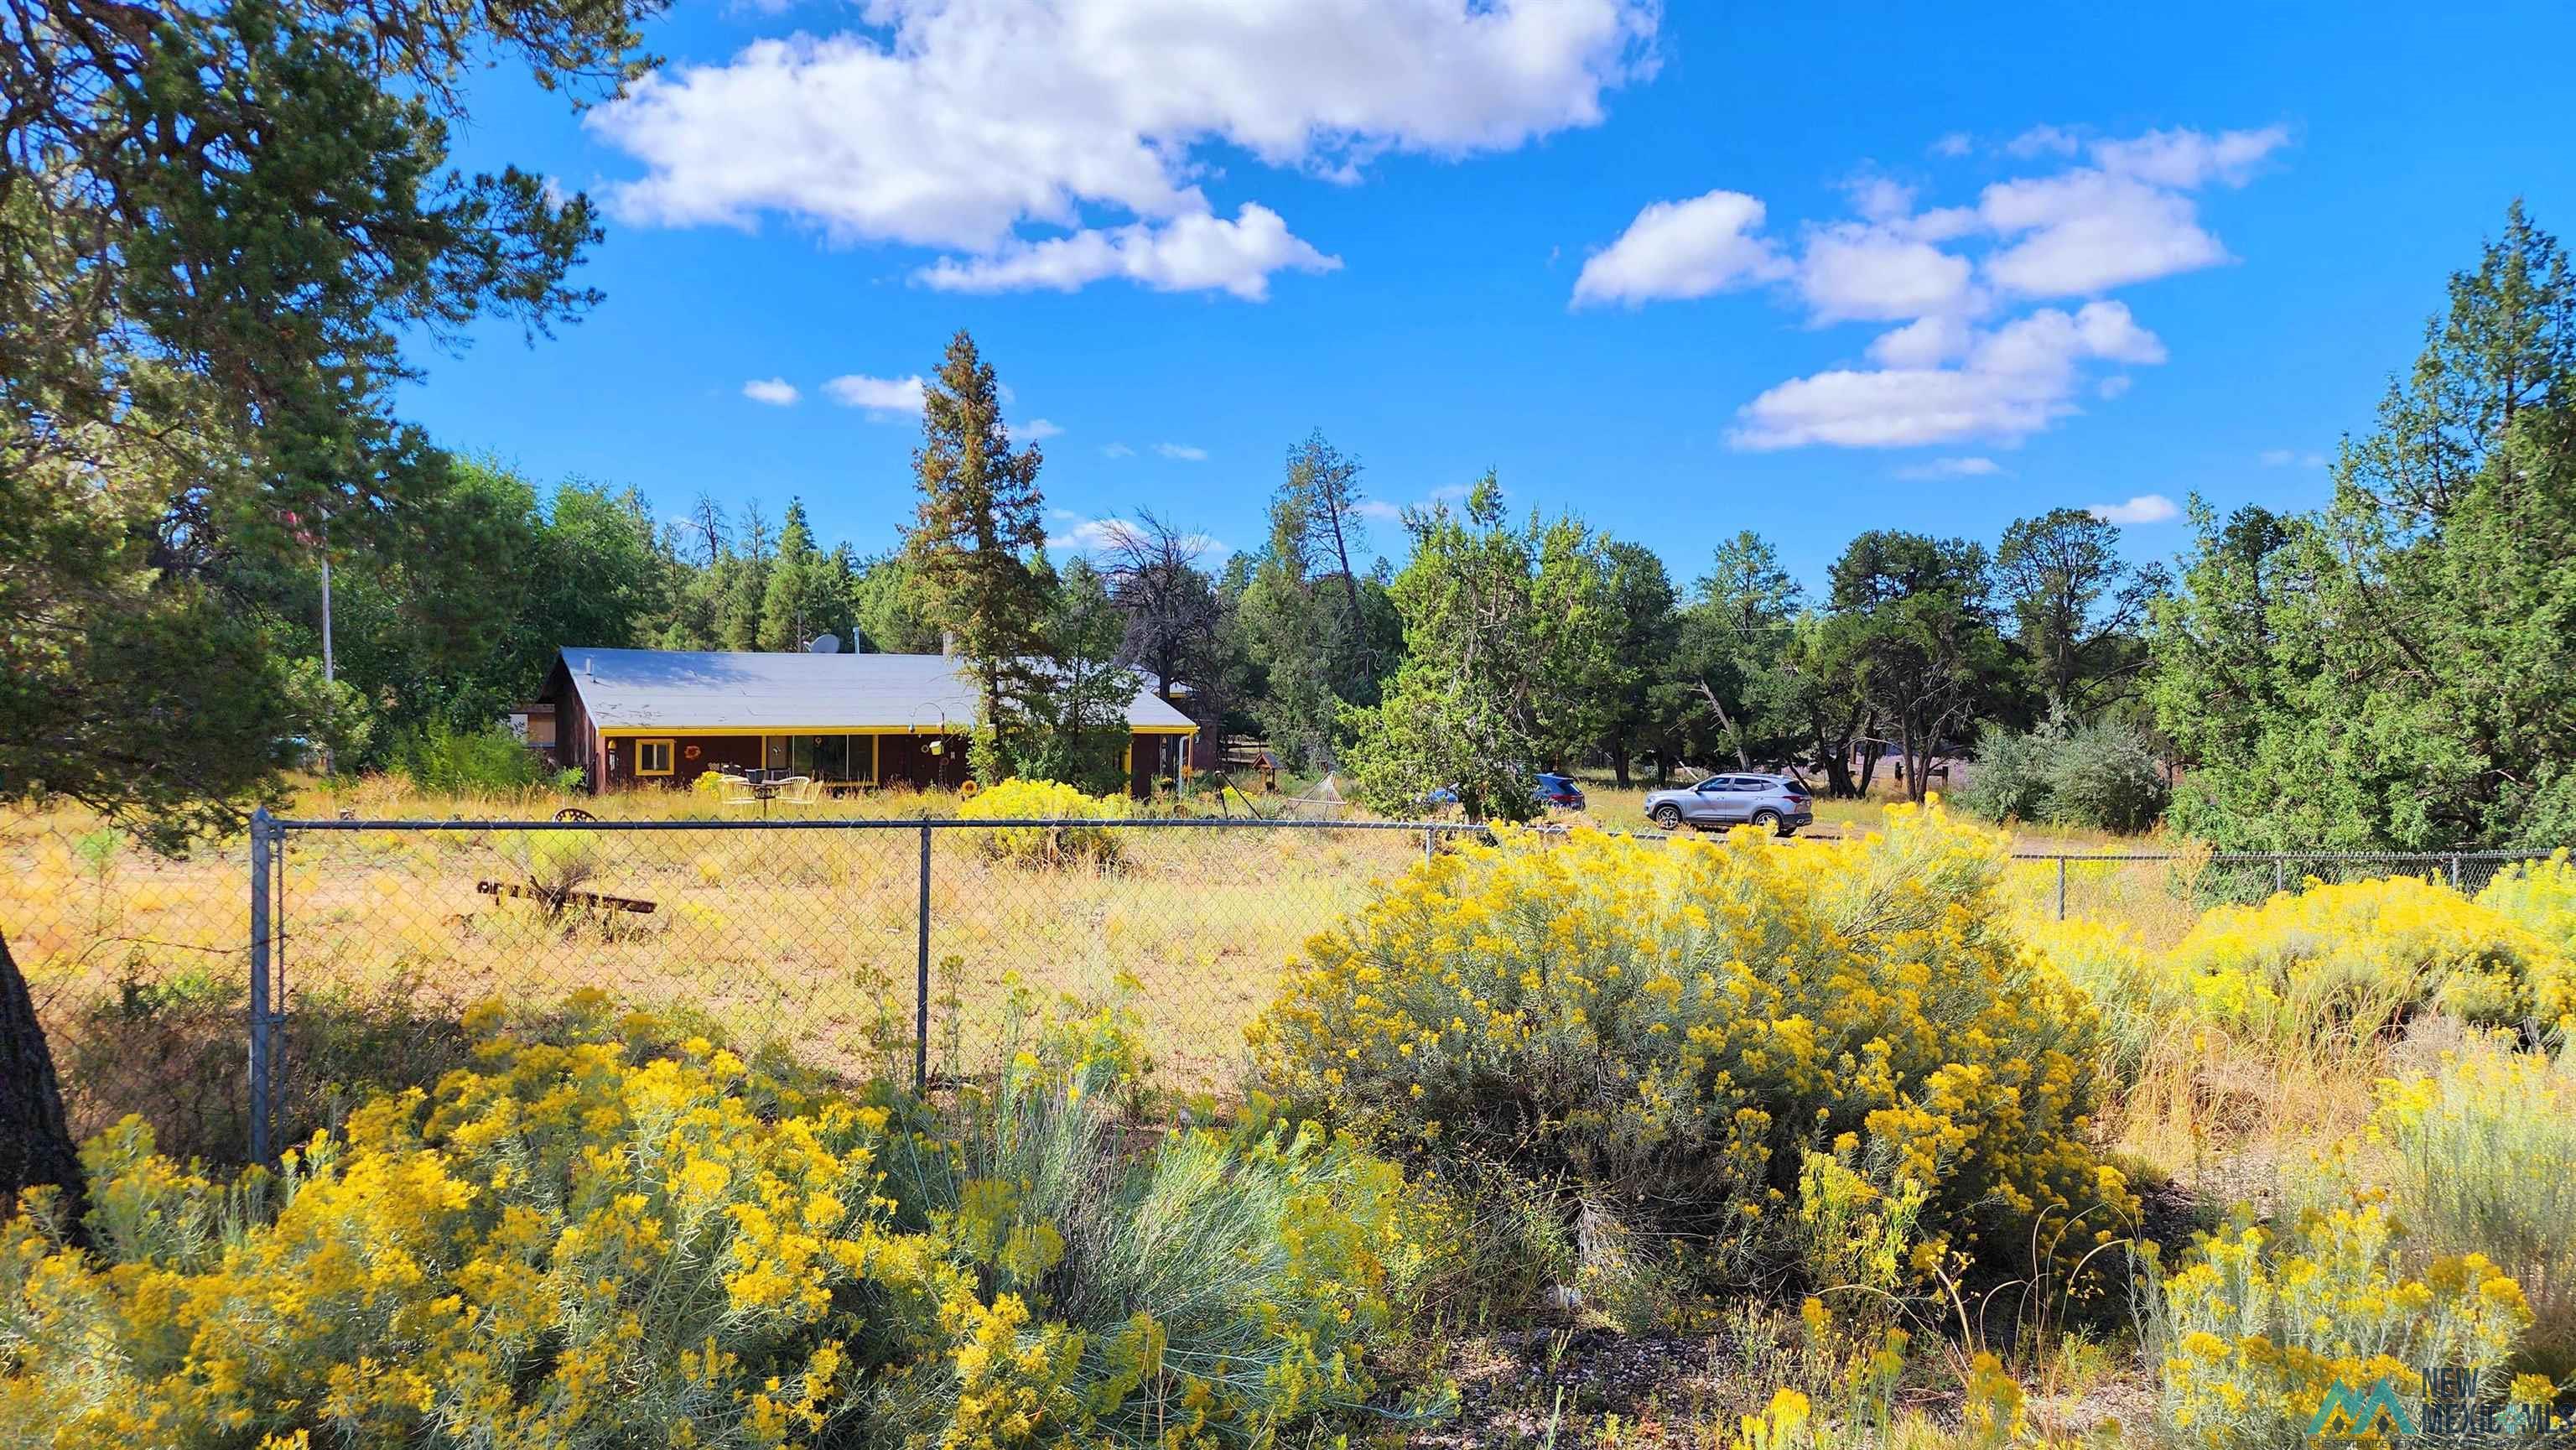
[1048, 800]
[2108, 962]
[572, 1245]
[2351, 959]
[2540, 895]
[2256, 1331]
[1670, 1026]
[2480, 1153]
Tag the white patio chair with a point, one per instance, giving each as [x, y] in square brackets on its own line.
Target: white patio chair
[738, 792]
[798, 790]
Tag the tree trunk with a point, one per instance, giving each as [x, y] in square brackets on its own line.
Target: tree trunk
[1725, 722]
[1834, 756]
[1619, 758]
[35, 1140]
[1915, 763]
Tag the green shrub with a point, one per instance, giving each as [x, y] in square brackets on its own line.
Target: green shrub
[2007, 777]
[1669, 1028]
[554, 862]
[2102, 776]
[440, 759]
[2105, 776]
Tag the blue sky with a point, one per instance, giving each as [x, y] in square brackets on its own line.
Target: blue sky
[1683, 270]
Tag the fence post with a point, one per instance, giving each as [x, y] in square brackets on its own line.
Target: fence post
[2280, 875]
[1426, 845]
[921, 977]
[2061, 888]
[2455, 873]
[262, 839]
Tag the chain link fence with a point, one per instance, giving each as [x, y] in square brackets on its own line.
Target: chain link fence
[353, 950]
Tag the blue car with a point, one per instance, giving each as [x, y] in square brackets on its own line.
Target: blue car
[1555, 792]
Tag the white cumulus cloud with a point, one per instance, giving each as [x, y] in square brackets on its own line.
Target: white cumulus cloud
[2042, 141]
[1194, 253]
[2287, 457]
[2097, 215]
[1878, 273]
[990, 128]
[1036, 430]
[878, 397]
[2011, 382]
[2188, 160]
[776, 392]
[2146, 508]
[1951, 468]
[1117, 450]
[1183, 452]
[1682, 249]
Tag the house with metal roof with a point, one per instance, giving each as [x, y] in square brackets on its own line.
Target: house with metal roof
[636, 717]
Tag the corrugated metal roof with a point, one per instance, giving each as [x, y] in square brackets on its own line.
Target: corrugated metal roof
[627, 689]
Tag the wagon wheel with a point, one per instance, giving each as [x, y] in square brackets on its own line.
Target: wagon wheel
[574, 813]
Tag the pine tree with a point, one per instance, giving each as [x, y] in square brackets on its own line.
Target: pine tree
[978, 540]
[804, 595]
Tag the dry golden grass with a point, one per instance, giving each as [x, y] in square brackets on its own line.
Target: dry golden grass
[808, 938]
[805, 938]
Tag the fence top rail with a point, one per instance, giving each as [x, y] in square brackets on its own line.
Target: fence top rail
[885, 823]
[1125, 823]
[2266, 858]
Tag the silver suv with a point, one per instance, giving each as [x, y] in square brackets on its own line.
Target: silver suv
[1774, 802]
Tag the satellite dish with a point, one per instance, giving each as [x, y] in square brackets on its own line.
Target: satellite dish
[823, 644]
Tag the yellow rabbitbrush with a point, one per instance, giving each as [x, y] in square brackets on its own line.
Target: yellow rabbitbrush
[1670, 1026]
[2349, 961]
[1052, 845]
[575, 1247]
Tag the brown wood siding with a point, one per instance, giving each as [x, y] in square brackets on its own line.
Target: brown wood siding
[1145, 763]
[739, 751]
[576, 741]
[901, 758]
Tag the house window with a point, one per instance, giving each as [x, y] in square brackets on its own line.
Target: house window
[652, 757]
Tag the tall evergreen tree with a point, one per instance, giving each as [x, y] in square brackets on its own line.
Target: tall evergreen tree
[2389, 673]
[1912, 624]
[1077, 716]
[1323, 635]
[805, 595]
[978, 540]
[2078, 609]
[218, 224]
[1509, 639]
[742, 583]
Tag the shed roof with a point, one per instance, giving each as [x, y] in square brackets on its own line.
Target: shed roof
[628, 689]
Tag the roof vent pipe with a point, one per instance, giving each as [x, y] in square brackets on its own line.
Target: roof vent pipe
[948, 642]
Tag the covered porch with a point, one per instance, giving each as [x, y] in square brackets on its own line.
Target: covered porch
[846, 758]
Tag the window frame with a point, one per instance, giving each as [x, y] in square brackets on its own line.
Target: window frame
[670, 748]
